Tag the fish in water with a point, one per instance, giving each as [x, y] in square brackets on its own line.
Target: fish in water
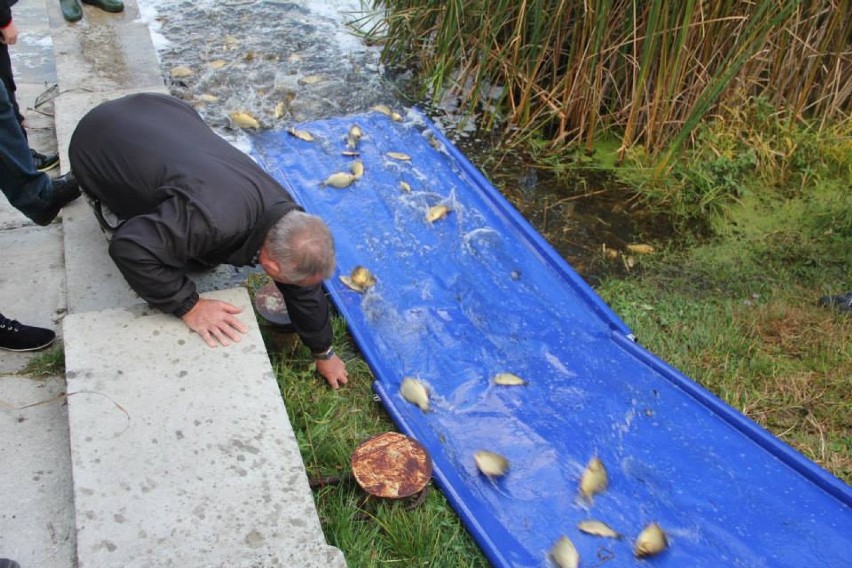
[384, 109]
[594, 478]
[339, 180]
[181, 72]
[398, 156]
[354, 135]
[491, 463]
[244, 119]
[350, 153]
[415, 392]
[597, 528]
[357, 169]
[508, 379]
[311, 80]
[360, 279]
[396, 117]
[279, 109]
[652, 540]
[404, 186]
[565, 554]
[301, 134]
[437, 212]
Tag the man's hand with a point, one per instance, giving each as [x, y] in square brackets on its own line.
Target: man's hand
[9, 34]
[333, 371]
[214, 321]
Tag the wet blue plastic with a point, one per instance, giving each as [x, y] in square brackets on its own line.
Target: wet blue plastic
[480, 292]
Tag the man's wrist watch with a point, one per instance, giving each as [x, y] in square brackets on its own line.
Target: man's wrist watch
[324, 355]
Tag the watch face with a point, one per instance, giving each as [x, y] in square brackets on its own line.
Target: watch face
[327, 354]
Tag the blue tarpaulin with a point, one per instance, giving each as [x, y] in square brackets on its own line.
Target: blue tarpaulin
[479, 292]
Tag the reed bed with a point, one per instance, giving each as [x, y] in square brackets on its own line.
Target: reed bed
[647, 71]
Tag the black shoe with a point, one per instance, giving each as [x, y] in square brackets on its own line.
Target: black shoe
[841, 303]
[44, 163]
[106, 5]
[65, 190]
[16, 336]
[6, 563]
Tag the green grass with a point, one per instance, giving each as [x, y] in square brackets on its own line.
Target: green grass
[49, 363]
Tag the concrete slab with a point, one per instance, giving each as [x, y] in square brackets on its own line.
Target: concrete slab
[94, 282]
[183, 455]
[32, 283]
[32, 55]
[36, 503]
[103, 52]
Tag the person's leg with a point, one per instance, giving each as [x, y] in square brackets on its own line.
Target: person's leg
[41, 161]
[29, 191]
[9, 83]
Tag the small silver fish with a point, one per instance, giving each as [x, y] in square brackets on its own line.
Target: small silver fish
[415, 392]
[244, 119]
[360, 279]
[181, 72]
[398, 156]
[354, 135]
[311, 80]
[396, 117]
[279, 109]
[652, 540]
[594, 478]
[491, 463]
[363, 277]
[404, 186]
[357, 169]
[339, 180]
[301, 134]
[350, 153]
[384, 109]
[565, 554]
[508, 379]
[437, 212]
[597, 528]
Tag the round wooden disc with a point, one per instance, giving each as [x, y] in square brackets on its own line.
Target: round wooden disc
[391, 465]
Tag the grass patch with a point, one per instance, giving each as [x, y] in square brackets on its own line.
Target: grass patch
[49, 363]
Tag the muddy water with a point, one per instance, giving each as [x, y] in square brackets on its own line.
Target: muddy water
[286, 62]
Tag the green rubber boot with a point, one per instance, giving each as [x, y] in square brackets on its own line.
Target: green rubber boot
[106, 5]
[71, 10]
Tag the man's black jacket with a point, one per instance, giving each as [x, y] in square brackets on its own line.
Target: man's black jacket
[188, 196]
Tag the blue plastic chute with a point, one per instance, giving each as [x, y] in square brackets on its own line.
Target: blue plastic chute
[479, 292]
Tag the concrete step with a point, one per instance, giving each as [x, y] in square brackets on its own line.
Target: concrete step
[180, 455]
[183, 455]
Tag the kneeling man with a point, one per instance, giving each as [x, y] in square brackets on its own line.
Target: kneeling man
[186, 197]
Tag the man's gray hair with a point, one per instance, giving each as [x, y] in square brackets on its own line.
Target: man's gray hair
[302, 245]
